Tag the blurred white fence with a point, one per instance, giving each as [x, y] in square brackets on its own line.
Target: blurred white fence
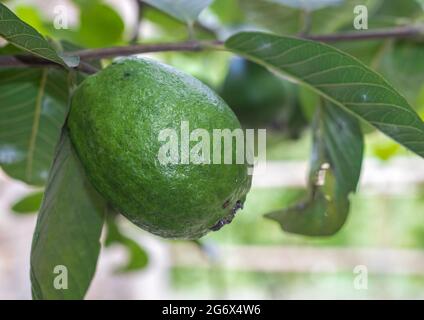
[400, 175]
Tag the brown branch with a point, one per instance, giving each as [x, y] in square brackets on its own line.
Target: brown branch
[101, 53]
[86, 68]
[25, 61]
[394, 33]
[91, 54]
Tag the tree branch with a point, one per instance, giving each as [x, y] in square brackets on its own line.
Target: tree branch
[91, 54]
[395, 33]
[25, 61]
[101, 53]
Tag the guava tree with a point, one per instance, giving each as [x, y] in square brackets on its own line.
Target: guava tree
[71, 120]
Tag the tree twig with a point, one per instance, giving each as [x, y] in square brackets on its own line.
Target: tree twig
[91, 54]
[25, 61]
[402, 32]
[395, 33]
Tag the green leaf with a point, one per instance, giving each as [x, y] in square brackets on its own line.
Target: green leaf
[335, 171]
[339, 134]
[184, 10]
[339, 78]
[68, 230]
[22, 35]
[28, 204]
[138, 258]
[32, 112]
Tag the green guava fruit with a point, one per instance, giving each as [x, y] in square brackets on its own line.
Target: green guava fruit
[115, 121]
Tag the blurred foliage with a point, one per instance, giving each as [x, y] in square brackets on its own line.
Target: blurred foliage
[228, 11]
[167, 28]
[192, 283]
[396, 215]
[184, 10]
[215, 62]
[32, 16]
[290, 17]
[393, 13]
[383, 148]
[137, 256]
[29, 204]
[99, 25]
[261, 99]
[402, 64]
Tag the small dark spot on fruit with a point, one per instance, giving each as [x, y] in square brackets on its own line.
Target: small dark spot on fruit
[226, 203]
[227, 220]
[218, 225]
[127, 74]
[238, 205]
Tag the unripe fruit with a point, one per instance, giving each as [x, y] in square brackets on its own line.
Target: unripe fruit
[115, 121]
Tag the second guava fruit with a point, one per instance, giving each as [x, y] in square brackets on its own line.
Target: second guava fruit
[261, 99]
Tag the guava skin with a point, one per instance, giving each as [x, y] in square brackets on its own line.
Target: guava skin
[114, 122]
